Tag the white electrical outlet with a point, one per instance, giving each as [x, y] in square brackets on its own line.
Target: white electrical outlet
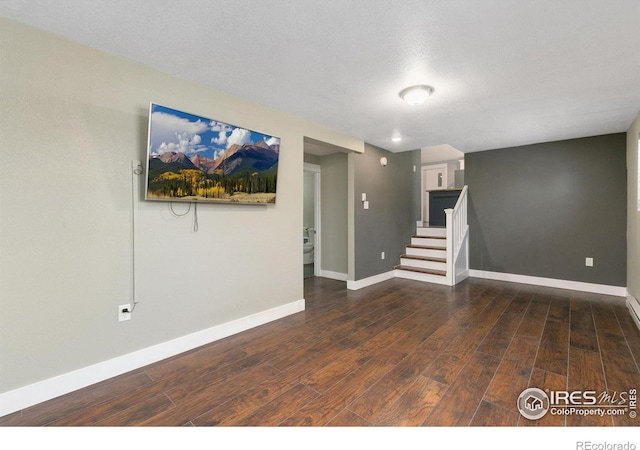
[124, 312]
[382, 255]
[588, 262]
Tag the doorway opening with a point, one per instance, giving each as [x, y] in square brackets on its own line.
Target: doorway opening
[439, 177]
[311, 232]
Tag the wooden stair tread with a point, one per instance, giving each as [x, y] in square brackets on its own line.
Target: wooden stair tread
[441, 273]
[425, 258]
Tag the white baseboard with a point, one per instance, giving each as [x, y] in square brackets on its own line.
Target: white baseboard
[334, 275]
[462, 276]
[617, 291]
[33, 394]
[355, 285]
[634, 308]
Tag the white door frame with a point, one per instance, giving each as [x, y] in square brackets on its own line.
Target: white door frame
[423, 187]
[315, 169]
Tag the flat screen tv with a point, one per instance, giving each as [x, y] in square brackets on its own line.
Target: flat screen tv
[194, 159]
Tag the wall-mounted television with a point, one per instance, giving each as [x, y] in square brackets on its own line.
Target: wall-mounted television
[194, 159]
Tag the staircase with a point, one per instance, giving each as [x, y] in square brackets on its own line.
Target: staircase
[425, 259]
[439, 254]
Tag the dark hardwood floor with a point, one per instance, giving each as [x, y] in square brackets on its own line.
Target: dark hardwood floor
[399, 353]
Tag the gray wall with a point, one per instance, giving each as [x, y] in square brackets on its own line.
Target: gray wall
[312, 159]
[309, 215]
[393, 193]
[540, 209]
[69, 222]
[333, 210]
[333, 195]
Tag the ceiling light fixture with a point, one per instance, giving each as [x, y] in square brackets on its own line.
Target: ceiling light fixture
[416, 95]
[396, 139]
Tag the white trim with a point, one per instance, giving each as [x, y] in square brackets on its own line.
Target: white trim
[334, 275]
[39, 392]
[634, 308]
[618, 291]
[355, 285]
[310, 167]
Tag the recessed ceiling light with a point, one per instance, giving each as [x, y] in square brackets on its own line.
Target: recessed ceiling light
[416, 95]
[396, 139]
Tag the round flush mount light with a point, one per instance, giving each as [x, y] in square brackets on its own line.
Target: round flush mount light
[396, 139]
[416, 95]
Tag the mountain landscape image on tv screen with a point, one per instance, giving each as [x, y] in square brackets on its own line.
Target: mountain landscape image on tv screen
[191, 158]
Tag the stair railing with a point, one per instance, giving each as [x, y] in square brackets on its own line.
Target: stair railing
[457, 240]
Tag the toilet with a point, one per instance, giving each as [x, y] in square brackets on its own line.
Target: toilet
[307, 246]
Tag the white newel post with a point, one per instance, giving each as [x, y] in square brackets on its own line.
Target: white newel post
[450, 259]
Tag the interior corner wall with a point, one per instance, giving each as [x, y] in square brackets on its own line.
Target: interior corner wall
[394, 208]
[333, 213]
[72, 119]
[633, 210]
[540, 210]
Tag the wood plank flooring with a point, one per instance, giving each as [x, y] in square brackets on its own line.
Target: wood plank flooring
[399, 353]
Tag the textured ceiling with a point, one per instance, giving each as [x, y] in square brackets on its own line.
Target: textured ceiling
[505, 72]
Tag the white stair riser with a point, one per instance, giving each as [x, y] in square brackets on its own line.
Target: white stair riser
[429, 253]
[421, 277]
[440, 232]
[429, 242]
[423, 264]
